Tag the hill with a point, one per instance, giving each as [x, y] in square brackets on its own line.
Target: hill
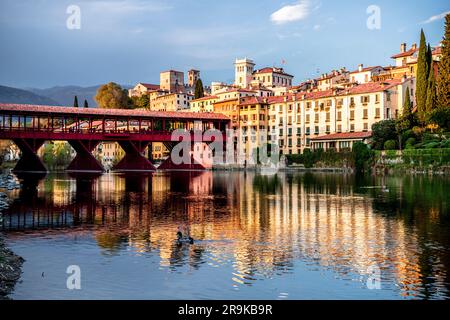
[13, 95]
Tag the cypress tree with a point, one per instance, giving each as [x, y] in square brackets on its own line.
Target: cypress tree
[86, 105]
[407, 119]
[422, 77]
[75, 102]
[429, 58]
[431, 92]
[443, 80]
[199, 93]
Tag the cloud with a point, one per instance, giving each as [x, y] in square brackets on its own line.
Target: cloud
[291, 13]
[317, 27]
[436, 17]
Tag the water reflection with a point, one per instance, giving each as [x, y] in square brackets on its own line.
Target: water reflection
[260, 226]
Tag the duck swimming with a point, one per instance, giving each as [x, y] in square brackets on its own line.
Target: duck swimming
[181, 239]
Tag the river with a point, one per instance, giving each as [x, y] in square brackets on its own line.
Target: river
[283, 236]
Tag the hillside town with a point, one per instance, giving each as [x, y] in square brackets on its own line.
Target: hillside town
[332, 111]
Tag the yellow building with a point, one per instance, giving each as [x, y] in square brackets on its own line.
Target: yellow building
[229, 108]
[253, 122]
[171, 102]
[205, 104]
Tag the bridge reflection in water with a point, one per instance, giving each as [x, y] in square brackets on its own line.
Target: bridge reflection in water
[260, 225]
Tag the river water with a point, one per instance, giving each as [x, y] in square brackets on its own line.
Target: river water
[283, 236]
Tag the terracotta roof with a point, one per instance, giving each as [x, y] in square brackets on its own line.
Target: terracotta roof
[371, 87]
[365, 69]
[205, 98]
[344, 136]
[252, 100]
[151, 86]
[26, 108]
[408, 53]
[315, 95]
[271, 70]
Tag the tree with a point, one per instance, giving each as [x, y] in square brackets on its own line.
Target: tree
[143, 102]
[431, 92]
[441, 118]
[407, 120]
[383, 131]
[112, 96]
[49, 155]
[422, 77]
[75, 102]
[86, 104]
[362, 155]
[199, 91]
[443, 80]
[429, 58]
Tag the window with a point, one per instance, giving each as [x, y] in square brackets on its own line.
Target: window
[377, 98]
[366, 127]
[316, 118]
[316, 131]
[377, 113]
[352, 115]
[352, 128]
[339, 128]
[339, 116]
[308, 118]
[365, 99]
[365, 114]
[328, 117]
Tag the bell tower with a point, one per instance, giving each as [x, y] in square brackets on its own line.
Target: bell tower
[243, 72]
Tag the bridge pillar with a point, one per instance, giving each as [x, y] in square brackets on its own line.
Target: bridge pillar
[84, 160]
[29, 161]
[134, 159]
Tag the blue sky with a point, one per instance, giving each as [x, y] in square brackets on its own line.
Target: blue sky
[130, 41]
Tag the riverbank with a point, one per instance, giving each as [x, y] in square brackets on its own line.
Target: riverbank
[10, 264]
[413, 161]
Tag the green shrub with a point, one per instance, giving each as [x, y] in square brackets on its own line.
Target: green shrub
[390, 145]
[362, 155]
[410, 142]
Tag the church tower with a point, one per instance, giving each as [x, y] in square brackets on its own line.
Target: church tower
[243, 72]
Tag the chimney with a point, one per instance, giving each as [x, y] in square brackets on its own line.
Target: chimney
[414, 46]
[360, 67]
[403, 48]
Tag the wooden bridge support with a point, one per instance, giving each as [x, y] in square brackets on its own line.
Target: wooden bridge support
[84, 160]
[29, 161]
[134, 159]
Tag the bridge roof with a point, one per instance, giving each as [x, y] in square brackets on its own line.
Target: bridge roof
[97, 112]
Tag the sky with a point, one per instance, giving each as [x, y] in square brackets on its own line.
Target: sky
[131, 41]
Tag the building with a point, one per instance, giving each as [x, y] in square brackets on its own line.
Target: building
[109, 154]
[253, 124]
[141, 89]
[193, 76]
[229, 108]
[272, 77]
[205, 104]
[171, 102]
[243, 72]
[235, 93]
[172, 81]
[364, 75]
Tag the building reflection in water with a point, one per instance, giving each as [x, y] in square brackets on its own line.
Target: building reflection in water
[261, 225]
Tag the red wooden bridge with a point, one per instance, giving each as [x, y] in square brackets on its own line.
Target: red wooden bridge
[30, 126]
